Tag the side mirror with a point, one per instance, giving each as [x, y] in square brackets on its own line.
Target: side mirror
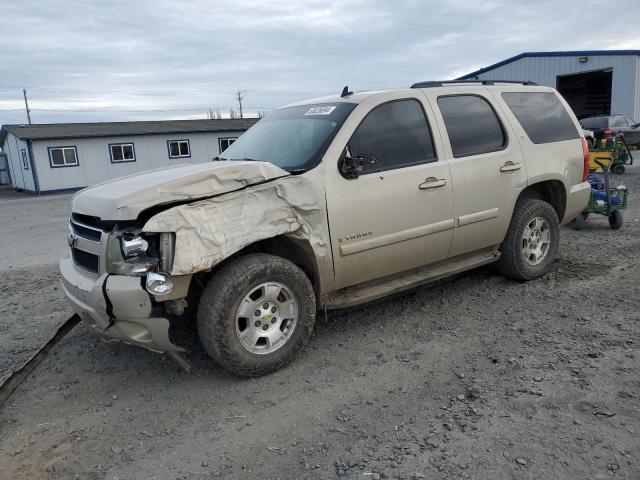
[350, 167]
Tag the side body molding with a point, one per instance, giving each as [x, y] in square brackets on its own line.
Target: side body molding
[395, 237]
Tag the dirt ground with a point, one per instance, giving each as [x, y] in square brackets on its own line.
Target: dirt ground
[474, 377]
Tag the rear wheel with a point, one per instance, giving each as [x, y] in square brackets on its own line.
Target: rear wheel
[615, 219]
[255, 314]
[618, 169]
[531, 243]
[579, 222]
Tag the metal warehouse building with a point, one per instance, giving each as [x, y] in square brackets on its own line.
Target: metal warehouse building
[68, 156]
[594, 82]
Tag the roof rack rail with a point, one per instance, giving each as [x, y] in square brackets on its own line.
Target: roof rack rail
[442, 83]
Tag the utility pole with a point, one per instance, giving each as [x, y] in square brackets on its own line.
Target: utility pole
[26, 104]
[239, 96]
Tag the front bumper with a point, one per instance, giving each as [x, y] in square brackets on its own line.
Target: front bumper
[117, 307]
[577, 199]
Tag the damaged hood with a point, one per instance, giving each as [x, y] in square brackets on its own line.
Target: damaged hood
[124, 198]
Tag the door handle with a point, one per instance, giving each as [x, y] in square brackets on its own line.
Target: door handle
[432, 182]
[510, 167]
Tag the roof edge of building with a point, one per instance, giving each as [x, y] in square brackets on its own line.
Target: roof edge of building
[30, 134]
[567, 53]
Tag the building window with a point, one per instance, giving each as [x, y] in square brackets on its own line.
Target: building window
[25, 160]
[179, 148]
[63, 157]
[122, 152]
[225, 143]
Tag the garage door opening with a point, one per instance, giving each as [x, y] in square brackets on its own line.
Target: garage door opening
[589, 94]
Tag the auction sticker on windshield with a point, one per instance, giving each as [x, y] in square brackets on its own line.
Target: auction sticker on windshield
[324, 110]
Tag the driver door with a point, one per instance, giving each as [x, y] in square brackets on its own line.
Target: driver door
[397, 214]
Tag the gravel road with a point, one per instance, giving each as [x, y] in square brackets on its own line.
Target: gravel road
[474, 377]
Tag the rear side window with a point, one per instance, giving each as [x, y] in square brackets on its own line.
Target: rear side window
[618, 122]
[472, 125]
[594, 122]
[542, 116]
[396, 135]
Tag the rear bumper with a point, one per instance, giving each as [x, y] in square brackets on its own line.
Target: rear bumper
[577, 199]
[117, 307]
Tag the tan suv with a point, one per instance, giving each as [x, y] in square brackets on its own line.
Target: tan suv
[326, 204]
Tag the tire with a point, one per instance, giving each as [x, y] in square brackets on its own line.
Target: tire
[615, 219]
[227, 332]
[618, 169]
[519, 259]
[579, 222]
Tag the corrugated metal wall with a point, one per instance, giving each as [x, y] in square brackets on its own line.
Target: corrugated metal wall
[625, 95]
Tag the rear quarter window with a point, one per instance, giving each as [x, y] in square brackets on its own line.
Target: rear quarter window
[542, 116]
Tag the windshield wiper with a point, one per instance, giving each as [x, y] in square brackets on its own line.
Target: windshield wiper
[216, 159]
[246, 160]
[295, 171]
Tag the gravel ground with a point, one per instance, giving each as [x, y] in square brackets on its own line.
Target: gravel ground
[475, 376]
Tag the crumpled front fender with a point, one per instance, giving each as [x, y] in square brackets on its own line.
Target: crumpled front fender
[208, 231]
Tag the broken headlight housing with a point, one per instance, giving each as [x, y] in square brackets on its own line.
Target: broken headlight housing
[131, 252]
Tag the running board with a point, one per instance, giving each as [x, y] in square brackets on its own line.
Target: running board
[379, 288]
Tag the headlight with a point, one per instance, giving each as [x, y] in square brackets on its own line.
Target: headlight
[158, 284]
[128, 253]
[133, 245]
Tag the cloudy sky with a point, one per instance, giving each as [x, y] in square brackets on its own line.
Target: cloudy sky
[158, 59]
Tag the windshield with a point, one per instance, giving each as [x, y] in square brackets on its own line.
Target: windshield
[293, 138]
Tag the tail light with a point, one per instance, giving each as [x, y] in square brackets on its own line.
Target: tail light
[585, 157]
[608, 133]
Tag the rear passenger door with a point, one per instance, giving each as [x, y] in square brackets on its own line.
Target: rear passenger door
[487, 167]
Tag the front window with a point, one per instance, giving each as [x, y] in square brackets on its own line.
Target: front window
[393, 135]
[293, 138]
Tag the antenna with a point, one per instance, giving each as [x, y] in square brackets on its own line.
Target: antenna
[346, 92]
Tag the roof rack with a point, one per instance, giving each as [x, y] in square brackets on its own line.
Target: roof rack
[442, 83]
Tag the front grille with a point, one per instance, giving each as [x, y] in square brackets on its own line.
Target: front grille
[85, 260]
[88, 238]
[85, 231]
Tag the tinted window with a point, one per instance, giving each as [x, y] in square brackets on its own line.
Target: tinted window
[594, 122]
[542, 116]
[395, 134]
[472, 125]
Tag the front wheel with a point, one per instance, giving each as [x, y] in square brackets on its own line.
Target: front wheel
[532, 240]
[255, 314]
